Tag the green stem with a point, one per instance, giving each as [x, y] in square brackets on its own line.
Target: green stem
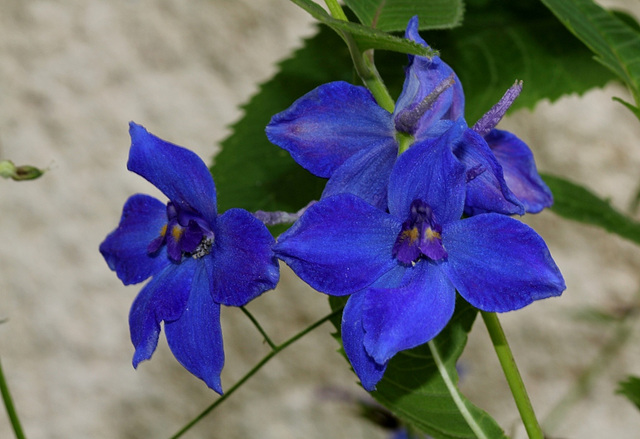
[512, 375]
[363, 64]
[253, 371]
[453, 391]
[8, 403]
[336, 10]
[258, 327]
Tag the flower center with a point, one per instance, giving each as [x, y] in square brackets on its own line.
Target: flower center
[185, 234]
[420, 236]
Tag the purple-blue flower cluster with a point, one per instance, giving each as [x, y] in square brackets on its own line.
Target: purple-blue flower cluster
[197, 260]
[339, 132]
[416, 208]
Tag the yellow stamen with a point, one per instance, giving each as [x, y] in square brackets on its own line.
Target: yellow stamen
[163, 231]
[431, 235]
[176, 232]
[411, 235]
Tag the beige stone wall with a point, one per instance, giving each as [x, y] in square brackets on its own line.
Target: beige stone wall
[73, 73]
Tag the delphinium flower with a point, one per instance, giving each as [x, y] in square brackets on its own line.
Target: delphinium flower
[197, 259]
[338, 131]
[402, 267]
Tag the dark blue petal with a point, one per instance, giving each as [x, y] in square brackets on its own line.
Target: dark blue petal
[396, 319]
[329, 124]
[179, 173]
[487, 190]
[125, 249]
[365, 174]
[196, 337]
[340, 245]
[422, 76]
[364, 366]
[498, 263]
[520, 170]
[241, 264]
[429, 171]
[163, 298]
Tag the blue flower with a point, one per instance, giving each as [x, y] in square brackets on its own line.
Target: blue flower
[402, 268]
[197, 259]
[338, 131]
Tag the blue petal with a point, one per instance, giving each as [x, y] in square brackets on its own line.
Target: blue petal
[396, 319]
[365, 174]
[422, 76]
[163, 298]
[369, 372]
[340, 245]
[125, 249]
[429, 171]
[487, 191]
[328, 125]
[196, 337]
[179, 173]
[241, 264]
[498, 263]
[520, 170]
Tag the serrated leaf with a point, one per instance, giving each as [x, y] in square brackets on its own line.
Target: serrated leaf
[365, 36]
[501, 41]
[631, 389]
[615, 43]
[577, 203]
[254, 174]
[414, 390]
[393, 15]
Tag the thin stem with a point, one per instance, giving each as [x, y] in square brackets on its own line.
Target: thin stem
[259, 327]
[453, 390]
[363, 64]
[375, 84]
[255, 369]
[512, 375]
[336, 10]
[8, 403]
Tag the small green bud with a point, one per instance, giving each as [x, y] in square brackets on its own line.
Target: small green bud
[19, 173]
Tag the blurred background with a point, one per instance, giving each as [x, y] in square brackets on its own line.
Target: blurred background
[74, 73]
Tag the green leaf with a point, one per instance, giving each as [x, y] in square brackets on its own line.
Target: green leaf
[366, 37]
[415, 391]
[615, 43]
[393, 15]
[501, 41]
[577, 203]
[254, 174]
[631, 389]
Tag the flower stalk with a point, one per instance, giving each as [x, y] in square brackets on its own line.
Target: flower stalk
[8, 404]
[259, 327]
[363, 62]
[275, 351]
[511, 373]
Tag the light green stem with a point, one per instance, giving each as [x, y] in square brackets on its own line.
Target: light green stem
[336, 10]
[453, 391]
[363, 63]
[8, 404]
[258, 327]
[512, 375]
[253, 371]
